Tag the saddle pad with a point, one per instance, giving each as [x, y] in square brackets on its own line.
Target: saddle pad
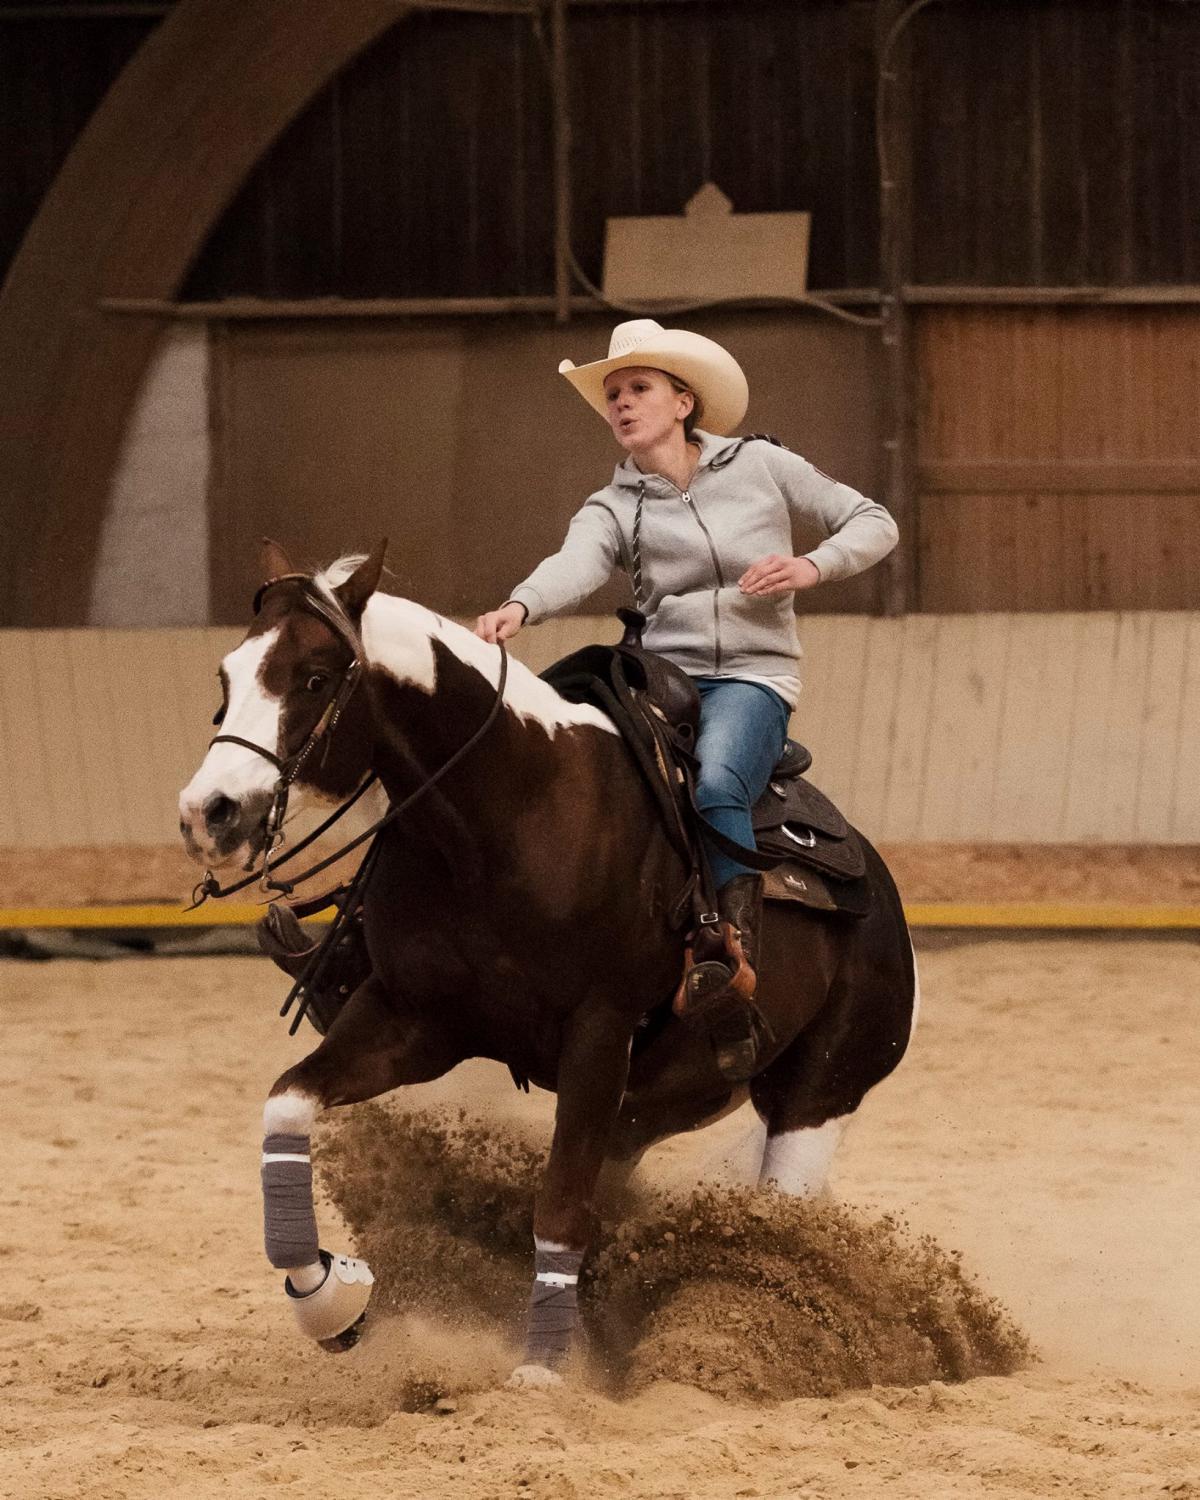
[797, 883]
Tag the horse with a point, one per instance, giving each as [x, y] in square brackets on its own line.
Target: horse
[522, 909]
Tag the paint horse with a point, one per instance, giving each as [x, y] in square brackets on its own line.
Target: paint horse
[520, 911]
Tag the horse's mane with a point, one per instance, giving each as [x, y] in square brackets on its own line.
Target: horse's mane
[327, 579]
[339, 569]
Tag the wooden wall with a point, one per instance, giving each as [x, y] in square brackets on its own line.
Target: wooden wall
[54, 71]
[1059, 453]
[1058, 448]
[460, 442]
[426, 170]
[1055, 141]
[984, 728]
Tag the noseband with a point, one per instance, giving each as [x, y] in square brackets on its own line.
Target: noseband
[289, 767]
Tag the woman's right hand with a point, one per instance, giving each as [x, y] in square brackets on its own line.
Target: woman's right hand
[501, 624]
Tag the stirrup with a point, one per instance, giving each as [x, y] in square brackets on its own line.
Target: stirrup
[702, 989]
[721, 999]
[708, 985]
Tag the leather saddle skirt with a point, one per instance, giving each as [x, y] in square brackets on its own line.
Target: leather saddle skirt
[794, 820]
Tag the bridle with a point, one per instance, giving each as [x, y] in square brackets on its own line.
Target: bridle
[289, 767]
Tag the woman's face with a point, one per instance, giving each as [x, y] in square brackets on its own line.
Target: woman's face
[643, 407]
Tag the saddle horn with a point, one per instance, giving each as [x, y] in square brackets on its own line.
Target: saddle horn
[634, 622]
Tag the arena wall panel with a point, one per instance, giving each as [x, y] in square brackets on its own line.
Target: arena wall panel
[1059, 454]
[100, 729]
[1048, 728]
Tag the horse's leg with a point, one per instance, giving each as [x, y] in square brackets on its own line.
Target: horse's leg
[592, 1069]
[808, 1095]
[369, 1049]
[652, 1121]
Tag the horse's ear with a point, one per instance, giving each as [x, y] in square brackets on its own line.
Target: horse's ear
[362, 583]
[273, 560]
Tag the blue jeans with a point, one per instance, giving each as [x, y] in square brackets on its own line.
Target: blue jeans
[743, 726]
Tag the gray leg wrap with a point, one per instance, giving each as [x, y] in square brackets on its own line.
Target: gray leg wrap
[289, 1220]
[553, 1309]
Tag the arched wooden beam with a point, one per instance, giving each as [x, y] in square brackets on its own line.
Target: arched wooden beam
[202, 100]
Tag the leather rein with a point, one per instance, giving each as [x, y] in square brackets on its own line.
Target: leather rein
[289, 767]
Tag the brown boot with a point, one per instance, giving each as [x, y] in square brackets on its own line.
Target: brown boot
[721, 993]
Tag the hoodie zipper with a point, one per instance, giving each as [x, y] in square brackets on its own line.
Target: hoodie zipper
[716, 562]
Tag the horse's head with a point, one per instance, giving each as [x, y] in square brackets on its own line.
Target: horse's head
[284, 689]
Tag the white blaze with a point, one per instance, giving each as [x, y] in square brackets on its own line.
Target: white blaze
[251, 713]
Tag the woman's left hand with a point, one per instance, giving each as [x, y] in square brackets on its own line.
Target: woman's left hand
[779, 575]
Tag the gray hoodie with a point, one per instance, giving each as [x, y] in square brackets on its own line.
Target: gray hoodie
[696, 544]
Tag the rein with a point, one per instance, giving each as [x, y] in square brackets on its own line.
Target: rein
[289, 768]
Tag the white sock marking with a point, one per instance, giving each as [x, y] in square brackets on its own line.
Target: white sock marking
[290, 1113]
[916, 1004]
[797, 1162]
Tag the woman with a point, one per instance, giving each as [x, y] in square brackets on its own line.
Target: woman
[701, 523]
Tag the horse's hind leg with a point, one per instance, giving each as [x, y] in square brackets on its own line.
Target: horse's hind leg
[809, 1094]
[369, 1050]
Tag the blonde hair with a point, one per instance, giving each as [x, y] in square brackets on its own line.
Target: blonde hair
[691, 421]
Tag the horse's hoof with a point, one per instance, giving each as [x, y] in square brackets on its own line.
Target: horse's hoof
[533, 1378]
[333, 1313]
[345, 1340]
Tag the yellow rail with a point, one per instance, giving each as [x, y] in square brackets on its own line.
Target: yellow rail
[1096, 915]
[1053, 914]
[236, 914]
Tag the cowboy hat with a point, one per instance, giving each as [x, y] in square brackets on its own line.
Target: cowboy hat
[707, 369]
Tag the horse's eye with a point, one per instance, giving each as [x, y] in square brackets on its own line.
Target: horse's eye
[316, 682]
[219, 716]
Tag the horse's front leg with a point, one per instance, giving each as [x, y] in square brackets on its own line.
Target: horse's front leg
[370, 1049]
[592, 1069]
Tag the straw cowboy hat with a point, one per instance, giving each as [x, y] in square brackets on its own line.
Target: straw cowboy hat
[714, 375]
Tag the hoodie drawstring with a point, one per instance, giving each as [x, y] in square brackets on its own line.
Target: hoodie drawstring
[637, 546]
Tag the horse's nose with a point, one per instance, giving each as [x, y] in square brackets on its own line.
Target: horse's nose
[219, 812]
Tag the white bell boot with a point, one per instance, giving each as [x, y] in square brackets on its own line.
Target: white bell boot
[333, 1313]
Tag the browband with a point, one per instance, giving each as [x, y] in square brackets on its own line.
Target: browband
[279, 578]
[337, 621]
